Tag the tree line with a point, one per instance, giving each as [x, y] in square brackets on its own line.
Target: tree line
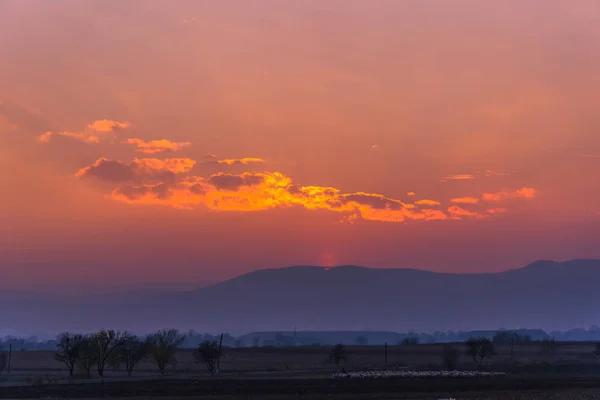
[113, 348]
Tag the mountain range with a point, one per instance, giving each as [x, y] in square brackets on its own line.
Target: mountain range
[544, 294]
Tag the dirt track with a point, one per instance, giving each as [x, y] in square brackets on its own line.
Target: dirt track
[308, 388]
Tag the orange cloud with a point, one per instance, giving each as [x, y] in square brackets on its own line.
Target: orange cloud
[491, 172]
[157, 146]
[457, 212]
[426, 202]
[140, 170]
[93, 134]
[107, 125]
[241, 161]
[263, 191]
[524, 193]
[460, 177]
[465, 200]
[411, 194]
[160, 182]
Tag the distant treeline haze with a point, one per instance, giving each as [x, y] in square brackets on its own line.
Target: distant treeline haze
[192, 339]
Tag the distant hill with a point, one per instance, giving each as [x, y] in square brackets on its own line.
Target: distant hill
[545, 294]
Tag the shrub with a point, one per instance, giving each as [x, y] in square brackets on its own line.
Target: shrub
[450, 356]
[338, 353]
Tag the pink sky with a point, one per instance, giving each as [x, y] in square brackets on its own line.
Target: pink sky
[185, 141]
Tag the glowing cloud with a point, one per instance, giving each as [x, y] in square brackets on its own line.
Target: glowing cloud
[524, 193]
[263, 191]
[140, 170]
[241, 161]
[457, 212]
[491, 172]
[426, 202]
[460, 177]
[107, 125]
[156, 146]
[465, 200]
[93, 134]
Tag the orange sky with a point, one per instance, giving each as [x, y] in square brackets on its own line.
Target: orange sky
[182, 141]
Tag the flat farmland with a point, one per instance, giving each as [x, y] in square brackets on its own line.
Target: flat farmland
[512, 387]
[570, 371]
[570, 355]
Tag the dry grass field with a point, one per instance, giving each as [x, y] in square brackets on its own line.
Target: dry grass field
[573, 355]
[571, 371]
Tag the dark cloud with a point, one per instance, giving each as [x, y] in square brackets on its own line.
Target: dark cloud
[375, 201]
[144, 170]
[234, 182]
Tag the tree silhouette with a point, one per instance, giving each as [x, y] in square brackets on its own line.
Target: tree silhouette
[479, 348]
[105, 343]
[3, 361]
[162, 346]
[87, 355]
[450, 356]
[548, 346]
[131, 352]
[208, 353]
[69, 346]
[410, 340]
[338, 353]
[362, 340]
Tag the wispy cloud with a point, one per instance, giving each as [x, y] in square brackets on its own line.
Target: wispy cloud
[525, 192]
[457, 212]
[157, 146]
[262, 191]
[92, 134]
[241, 161]
[140, 170]
[153, 181]
[459, 177]
[427, 202]
[465, 200]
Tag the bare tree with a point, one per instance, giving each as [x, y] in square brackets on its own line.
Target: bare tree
[479, 348]
[548, 346]
[69, 346]
[208, 353]
[410, 340]
[597, 350]
[450, 356]
[87, 356]
[162, 346]
[338, 353]
[362, 340]
[106, 343]
[132, 351]
[3, 361]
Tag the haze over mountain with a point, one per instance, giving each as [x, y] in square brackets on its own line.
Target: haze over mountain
[544, 294]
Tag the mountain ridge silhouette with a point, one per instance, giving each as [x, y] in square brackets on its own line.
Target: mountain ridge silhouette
[542, 295]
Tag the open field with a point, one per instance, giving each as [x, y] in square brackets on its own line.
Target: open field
[570, 371]
[506, 388]
[574, 356]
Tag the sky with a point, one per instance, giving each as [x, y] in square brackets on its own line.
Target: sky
[182, 142]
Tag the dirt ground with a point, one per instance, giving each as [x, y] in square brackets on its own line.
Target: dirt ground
[570, 372]
[493, 388]
[575, 356]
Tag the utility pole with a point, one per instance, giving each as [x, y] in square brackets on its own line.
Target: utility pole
[219, 358]
[9, 358]
[385, 347]
[512, 348]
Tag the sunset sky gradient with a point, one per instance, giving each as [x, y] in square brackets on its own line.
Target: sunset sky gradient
[179, 142]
